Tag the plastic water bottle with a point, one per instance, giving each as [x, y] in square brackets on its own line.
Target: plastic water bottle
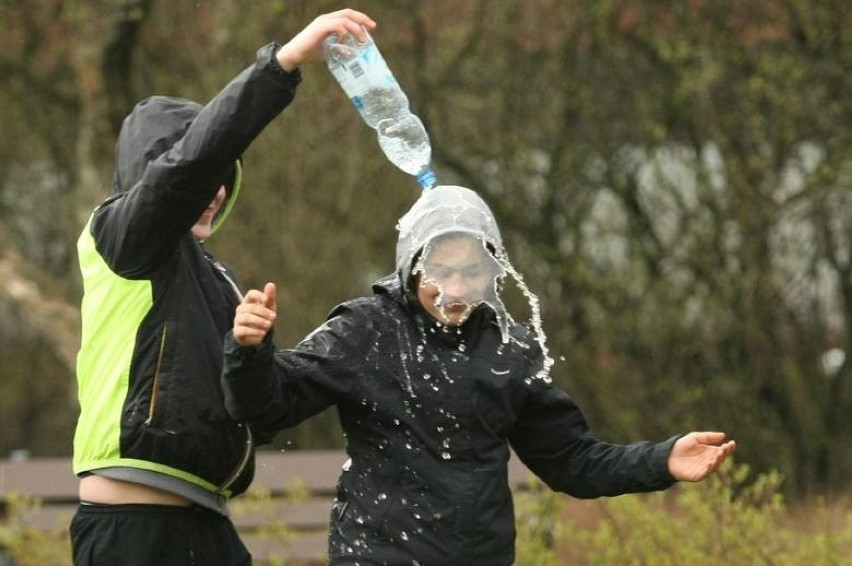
[374, 91]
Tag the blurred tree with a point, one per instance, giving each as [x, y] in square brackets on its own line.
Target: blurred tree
[672, 179]
[668, 157]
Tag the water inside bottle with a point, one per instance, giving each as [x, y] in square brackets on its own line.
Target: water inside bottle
[405, 143]
[379, 103]
[375, 93]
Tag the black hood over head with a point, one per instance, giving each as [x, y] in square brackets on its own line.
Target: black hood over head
[151, 129]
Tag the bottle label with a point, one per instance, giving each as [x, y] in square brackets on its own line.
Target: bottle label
[366, 72]
[366, 79]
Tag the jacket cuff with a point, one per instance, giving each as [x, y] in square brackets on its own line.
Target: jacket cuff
[662, 451]
[266, 58]
[249, 354]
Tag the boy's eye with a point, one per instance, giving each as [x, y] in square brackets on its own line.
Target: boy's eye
[441, 273]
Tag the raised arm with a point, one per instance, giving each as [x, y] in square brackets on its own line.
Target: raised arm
[173, 155]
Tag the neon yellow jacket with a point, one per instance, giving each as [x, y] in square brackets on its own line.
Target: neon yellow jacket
[156, 304]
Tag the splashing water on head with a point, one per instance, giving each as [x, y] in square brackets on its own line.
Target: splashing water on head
[535, 315]
[450, 253]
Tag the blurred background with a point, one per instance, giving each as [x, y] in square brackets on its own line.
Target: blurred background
[673, 179]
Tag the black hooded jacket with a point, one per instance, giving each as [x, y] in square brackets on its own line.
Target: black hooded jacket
[157, 304]
[430, 411]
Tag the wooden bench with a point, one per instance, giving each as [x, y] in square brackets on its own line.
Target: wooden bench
[283, 518]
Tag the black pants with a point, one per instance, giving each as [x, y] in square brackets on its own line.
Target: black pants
[154, 535]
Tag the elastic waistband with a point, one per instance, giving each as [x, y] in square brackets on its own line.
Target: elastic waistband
[89, 508]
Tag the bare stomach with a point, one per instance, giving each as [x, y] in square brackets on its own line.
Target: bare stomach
[98, 489]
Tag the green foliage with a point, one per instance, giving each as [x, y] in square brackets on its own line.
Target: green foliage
[258, 511]
[538, 525]
[26, 545]
[730, 518]
[733, 517]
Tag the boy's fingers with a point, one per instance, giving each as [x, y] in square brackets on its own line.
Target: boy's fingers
[271, 296]
[254, 297]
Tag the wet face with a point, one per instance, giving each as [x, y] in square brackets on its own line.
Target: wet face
[203, 227]
[454, 276]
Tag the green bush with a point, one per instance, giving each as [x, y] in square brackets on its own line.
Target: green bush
[723, 520]
[24, 545]
[261, 502]
[730, 518]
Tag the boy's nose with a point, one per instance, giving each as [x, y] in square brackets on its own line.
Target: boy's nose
[455, 286]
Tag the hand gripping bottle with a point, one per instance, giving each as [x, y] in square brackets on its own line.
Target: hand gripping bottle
[374, 91]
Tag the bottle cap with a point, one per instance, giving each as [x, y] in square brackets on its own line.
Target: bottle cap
[426, 179]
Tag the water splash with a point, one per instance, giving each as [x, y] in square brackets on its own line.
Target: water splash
[404, 357]
[491, 298]
[535, 314]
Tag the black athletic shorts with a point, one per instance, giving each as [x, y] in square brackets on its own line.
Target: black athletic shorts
[154, 535]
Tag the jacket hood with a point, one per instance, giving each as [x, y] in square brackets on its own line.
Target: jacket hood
[441, 210]
[153, 127]
[448, 209]
[445, 210]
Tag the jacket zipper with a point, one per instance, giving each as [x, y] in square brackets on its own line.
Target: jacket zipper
[249, 437]
[154, 386]
[217, 265]
[243, 462]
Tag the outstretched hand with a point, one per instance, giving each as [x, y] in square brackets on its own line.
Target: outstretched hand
[255, 316]
[698, 454]
[306, 46]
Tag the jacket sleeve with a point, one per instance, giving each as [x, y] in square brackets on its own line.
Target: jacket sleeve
[273, 390]
[553, 438]
[136, 230]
